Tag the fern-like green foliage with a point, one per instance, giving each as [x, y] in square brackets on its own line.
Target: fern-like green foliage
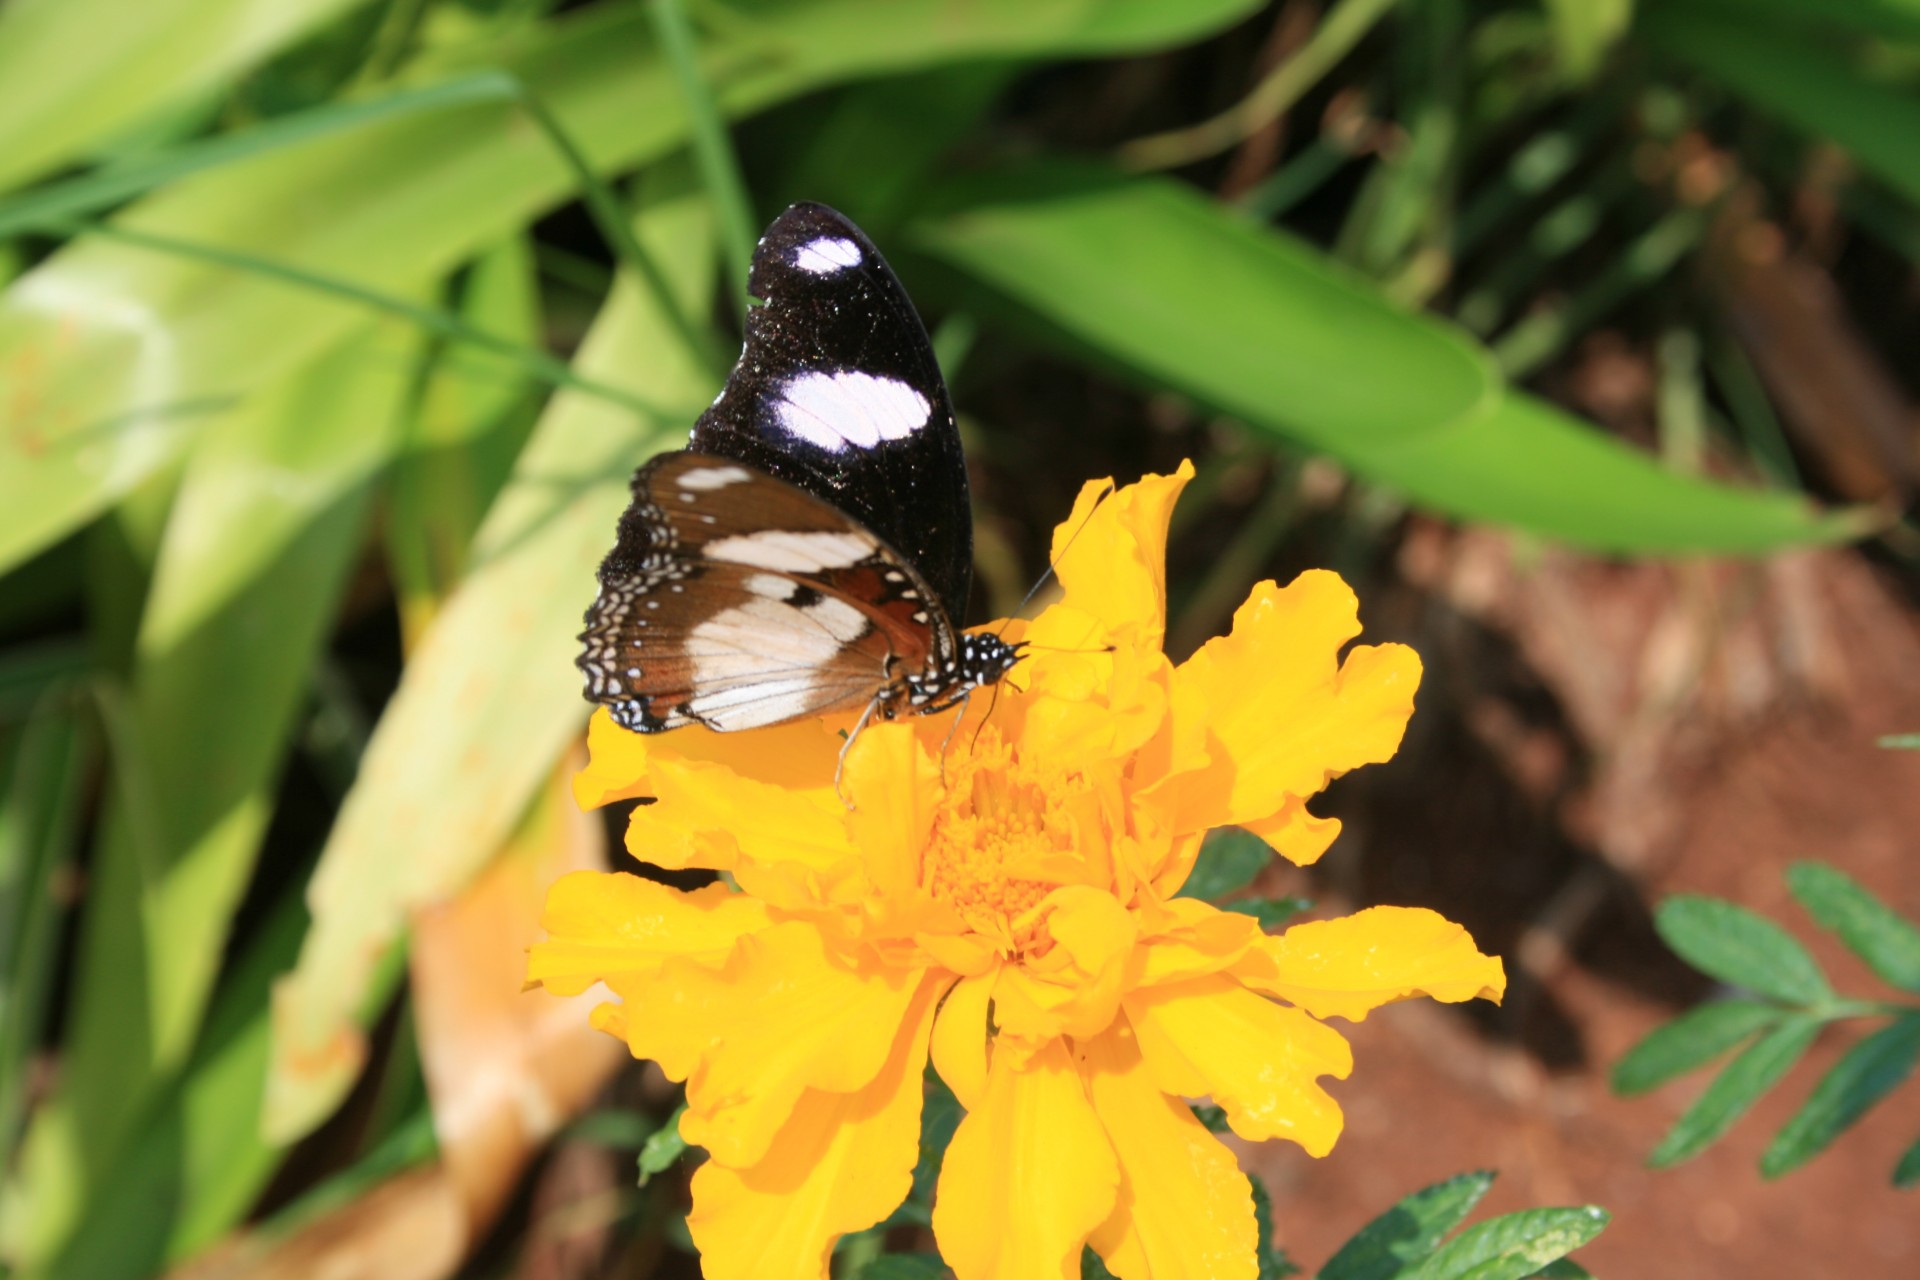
[1785, 1002]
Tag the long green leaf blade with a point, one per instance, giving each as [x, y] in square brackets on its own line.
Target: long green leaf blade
[1252, 324]
[1868, 1072]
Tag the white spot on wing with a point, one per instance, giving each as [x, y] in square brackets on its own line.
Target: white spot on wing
[705, 478]
[837, 618]
[827, 255]
[770, 586]
[788, 552]
[849, 408]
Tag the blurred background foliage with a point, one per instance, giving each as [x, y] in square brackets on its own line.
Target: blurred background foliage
[332, 330]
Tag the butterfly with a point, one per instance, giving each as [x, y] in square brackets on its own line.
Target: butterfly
[810, 549]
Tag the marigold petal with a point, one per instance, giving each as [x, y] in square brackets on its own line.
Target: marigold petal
[780, 1017]
[1187, 938]
[797, 755]
[842, 1162]
[606, 924]
[1185, 1211]
[960, 1038]
[1257, 1059]
[1028, 1175]
[1111, 558]
[1075, 988]
[1353, 965]
[789, 847]
[890, 780]
[1284, 713]
[1293, 833]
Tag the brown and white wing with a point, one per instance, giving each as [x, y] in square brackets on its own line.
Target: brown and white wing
[734, 600]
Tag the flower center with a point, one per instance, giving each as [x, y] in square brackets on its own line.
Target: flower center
[998, 840]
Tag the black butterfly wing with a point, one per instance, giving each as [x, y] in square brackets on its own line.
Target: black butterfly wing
[734, 600]
[837, 392]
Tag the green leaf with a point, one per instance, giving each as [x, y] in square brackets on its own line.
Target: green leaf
[1405, 1235]
[1869, 1071]
[1515, 1245]
[73, 72]
[1690, 1040]
[1901, 742]
[1229, 860]
[1741, 949]
[1564, 1269]
[1274, 1264]
[663, 1147]
[122, 345]
[489, 700]
[1270, 912]
[199, 744]
[1872, 930]
[1736, 1089]
[940, 1116]
[42, 768]
[905, 1266]
[1209, 298]
[1825, 95]
[1907, 1172]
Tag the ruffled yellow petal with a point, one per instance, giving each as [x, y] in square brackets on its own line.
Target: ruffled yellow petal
[608, 925]
[780, 1017]
[618, 760]
[1283, 711]
[1186, 938]
[1111, 559]
[1029, 1174]
[1350, 966]
[960, 1038]
[1185, 1211]
[1257, 1059]
[841, 1163]
[1294, 834]
[789, 848]
[893, 785]
[1074, 988]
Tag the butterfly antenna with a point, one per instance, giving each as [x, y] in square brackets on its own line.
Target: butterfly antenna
[1054, 564]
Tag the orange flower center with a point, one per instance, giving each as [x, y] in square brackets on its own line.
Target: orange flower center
[999, 841]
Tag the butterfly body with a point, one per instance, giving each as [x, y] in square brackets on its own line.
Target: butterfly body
[808, 552]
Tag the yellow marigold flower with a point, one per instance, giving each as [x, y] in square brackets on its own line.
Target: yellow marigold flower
[1007, 908]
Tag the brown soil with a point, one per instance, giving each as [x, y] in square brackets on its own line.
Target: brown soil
[1590, 739]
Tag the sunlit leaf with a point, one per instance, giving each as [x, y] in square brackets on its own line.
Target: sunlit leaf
[1869, 1071]
[1694, 1038]
[73, 72]
[1405, 1235]
[1513, 1246]
[1741, 949]
[198, 749]
[114, 352]
[490, 698]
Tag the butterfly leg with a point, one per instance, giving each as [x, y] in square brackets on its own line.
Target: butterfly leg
[841, 767]
[947, 741]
